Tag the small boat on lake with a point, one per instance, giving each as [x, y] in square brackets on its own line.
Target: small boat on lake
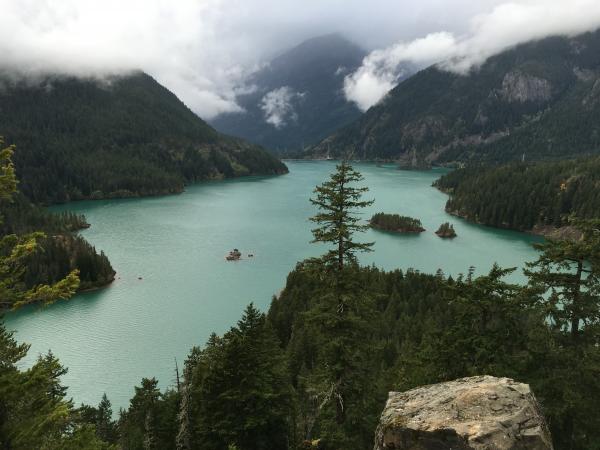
[234, 255]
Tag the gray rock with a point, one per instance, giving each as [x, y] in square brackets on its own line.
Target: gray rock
[477, 413]
[519, 87]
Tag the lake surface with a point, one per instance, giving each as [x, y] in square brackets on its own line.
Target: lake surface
[135, 328]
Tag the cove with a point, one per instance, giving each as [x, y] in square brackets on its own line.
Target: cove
[174, 287]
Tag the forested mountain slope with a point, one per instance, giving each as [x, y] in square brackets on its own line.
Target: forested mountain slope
[123, 136]
[540, 99]
[298, 97]
[521, 196]
[61, 249]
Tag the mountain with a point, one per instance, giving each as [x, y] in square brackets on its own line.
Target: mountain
[298, 98]
[119, 137]
[540, 100]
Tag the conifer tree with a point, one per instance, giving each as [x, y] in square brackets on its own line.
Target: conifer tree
[338, 200]
[340, 316]
[567, 279]
[14, 251]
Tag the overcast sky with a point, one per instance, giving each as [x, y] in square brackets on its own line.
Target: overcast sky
[202, 49]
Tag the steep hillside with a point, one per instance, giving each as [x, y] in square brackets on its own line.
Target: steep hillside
[298, 98]
[525, 196]
[540, 100]
[125, 136]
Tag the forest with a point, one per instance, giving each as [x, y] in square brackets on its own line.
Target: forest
[125, 136]
[61, 250]
[314, 371]
[522, 195]
[397, 223]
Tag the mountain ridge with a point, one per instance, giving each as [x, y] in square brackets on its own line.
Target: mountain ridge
[122, 137]
[298, 96]
[538, 99]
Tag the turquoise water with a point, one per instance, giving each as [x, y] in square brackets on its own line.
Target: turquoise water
[110, 339]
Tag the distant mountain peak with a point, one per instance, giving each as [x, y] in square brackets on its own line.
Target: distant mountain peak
[299, 96]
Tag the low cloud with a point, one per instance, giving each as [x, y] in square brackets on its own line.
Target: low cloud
[504, 26]
[202, 50]
[278, 106]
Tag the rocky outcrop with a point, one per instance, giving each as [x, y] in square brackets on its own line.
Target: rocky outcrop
[477, 413]
[519, 87]
[564, 233]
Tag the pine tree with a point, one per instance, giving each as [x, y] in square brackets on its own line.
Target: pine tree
[338, 201]
[567, 279]
[340, 316]
[15, 250]
[245, 395]
[105, 426]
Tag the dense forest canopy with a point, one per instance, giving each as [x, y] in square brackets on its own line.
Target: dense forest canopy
[523, 195]
[396, 222]
[540, 99]
[116, 137]
[59, 250]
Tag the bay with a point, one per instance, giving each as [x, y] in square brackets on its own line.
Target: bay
[174, 287]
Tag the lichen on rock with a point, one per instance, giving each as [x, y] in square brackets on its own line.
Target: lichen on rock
[476, 413]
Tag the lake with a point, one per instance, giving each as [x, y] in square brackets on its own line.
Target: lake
[174, 287]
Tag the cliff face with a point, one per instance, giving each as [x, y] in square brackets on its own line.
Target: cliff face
[477, 413]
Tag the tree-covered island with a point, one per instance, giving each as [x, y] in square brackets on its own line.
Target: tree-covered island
[446, 231]
[396, 223]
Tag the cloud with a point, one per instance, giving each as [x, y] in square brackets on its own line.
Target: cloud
[204, 50]
[277, 106]
[95, 39]
[504, 26]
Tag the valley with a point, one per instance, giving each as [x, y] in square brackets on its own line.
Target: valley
[177, 245]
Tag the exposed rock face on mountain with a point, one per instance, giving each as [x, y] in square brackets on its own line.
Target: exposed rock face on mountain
[541, 99]
[298, 98]
[477, 413]
[522, 87]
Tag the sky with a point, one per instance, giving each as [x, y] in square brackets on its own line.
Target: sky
[203, 50]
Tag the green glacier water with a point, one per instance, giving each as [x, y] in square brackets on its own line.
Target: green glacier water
[174, 287]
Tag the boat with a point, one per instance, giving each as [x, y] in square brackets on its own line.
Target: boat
[234, 255]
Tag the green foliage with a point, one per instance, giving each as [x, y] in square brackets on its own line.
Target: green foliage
[567, 279]
[395, 222]
[240, 391]
[338, 201]
[16, 252]
[446, 230]
[34, 413]
[150, 422]
[121, 137]
[520, 196]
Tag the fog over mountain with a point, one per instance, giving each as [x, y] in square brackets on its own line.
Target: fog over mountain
[205, 50]
[298, 98]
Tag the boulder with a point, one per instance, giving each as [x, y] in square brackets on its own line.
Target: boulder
[473, 413]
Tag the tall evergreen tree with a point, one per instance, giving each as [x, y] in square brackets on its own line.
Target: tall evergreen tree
[567, 277]
[338, 200]
[243, 389]
[339, 317]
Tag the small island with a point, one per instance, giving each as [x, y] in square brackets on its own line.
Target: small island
[446, 230]
[396, 223]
